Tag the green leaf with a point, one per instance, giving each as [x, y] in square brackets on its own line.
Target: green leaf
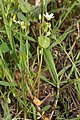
[60, 38]
[51, 65]
[44, 41]
[45, 108]
[3, 83]
[1, 73]
[46, 80]
[34, 112]
[22, 17]
[4, 47]
[25, 6]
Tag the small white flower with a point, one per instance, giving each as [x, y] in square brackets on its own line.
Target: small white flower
[17, 22]
[48, 17]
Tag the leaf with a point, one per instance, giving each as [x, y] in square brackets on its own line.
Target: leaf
[44, 41]
[4, 47]
[1, 73]
[45, 108]
[60, 38]
[51, 65]
[22, 17]
[34, 112]
[46, 80]
[25, 6]
[27, 37]
[3, 83]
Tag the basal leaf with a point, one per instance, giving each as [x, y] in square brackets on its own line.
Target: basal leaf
[4, 47]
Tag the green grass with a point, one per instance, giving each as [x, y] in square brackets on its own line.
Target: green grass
[39, 58]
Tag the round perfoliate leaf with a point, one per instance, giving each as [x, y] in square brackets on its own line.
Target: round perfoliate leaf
[44, 41]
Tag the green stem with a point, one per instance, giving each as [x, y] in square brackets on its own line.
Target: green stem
[38, 76]
[57, 96]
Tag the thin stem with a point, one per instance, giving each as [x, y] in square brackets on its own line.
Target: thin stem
[38, 76]
[57, 96]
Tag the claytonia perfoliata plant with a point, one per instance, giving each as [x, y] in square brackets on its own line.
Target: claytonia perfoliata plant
[44, 39]
[48, 16]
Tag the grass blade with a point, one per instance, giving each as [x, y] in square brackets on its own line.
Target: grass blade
[50, 64]
[61, 38]
[3, 83]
